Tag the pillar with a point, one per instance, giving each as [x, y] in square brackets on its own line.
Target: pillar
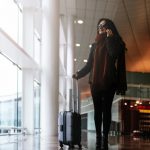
[50, 69]
[28, 97]
[70, 59]
[28, 74]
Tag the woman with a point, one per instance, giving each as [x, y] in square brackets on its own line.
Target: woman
[106, 64]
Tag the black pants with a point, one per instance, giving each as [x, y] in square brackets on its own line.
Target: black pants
[102, 101]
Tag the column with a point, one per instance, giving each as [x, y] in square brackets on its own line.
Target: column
[70, 58]
[28, 77]
[50, 69]
[28, 97]
[28, 29]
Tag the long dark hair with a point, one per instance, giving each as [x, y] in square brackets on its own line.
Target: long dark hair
[110, 25]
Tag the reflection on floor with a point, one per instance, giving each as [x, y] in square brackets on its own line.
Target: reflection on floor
[29, 142]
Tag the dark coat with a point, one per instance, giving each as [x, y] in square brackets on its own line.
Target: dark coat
[116, 74]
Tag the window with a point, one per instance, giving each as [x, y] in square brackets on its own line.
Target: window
[10, 95]
[11, 22]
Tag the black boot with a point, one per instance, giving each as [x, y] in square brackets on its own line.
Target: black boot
[104, 144]
[98, 142]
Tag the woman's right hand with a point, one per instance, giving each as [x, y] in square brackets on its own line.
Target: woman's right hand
[75, 76]
[109, 32]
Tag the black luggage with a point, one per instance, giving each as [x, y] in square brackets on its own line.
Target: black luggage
[69, 127]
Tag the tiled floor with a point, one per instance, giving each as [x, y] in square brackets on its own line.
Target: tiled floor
[88, 142]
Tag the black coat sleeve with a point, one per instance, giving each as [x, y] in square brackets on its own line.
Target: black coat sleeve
[87, 68]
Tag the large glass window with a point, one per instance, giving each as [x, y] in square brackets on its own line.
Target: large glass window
[11, 19]
[10, 95]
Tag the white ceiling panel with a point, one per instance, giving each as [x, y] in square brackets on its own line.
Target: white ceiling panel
[90, 14]
[100, 5]
[71, 11]
[81, 4]
[81, 14]
[71, 4]
[63, 7]
[91, 5]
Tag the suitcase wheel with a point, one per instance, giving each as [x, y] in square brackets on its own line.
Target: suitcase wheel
[61, 144]
[80, 146]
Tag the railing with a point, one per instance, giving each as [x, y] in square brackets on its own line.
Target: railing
[134, 92]
[12, 131]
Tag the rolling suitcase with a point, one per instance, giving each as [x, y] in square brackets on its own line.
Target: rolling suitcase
[69, 127]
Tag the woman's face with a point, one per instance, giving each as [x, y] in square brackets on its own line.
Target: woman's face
[102, 27]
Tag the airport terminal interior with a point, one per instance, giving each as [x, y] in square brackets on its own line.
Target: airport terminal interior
[42, 44]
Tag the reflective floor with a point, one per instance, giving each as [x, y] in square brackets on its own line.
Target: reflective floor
[29, 142]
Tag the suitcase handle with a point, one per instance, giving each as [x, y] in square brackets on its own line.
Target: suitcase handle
[61, 128]
[76, 99]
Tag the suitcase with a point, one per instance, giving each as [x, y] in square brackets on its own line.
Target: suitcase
[69, 127]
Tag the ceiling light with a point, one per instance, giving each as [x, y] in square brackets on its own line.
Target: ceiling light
[77, 45]
[125, 104]
[90, 45]
[85, 60]
[75, 59]
[80, 21]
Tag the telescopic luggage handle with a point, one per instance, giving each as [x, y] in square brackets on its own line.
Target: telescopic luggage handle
[76, 99]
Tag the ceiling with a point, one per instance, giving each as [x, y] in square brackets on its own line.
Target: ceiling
[132, 18]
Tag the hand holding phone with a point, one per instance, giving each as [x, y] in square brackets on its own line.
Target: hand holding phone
[109, 32]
